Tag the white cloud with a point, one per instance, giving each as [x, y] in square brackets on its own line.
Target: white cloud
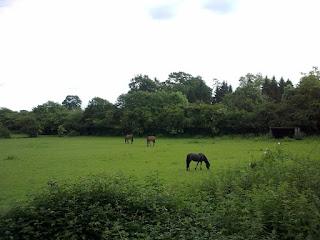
[220, 6]
[53, 48]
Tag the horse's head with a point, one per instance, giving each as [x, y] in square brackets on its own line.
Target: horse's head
[206, 161]
[207, 164]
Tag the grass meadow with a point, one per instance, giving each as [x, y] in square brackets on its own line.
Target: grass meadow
[27, 164]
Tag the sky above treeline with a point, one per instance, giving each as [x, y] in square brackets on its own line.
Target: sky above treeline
[53, 48]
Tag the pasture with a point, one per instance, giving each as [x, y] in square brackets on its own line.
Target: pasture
[27, 164]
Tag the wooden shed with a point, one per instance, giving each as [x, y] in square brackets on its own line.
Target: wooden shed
[281, 132]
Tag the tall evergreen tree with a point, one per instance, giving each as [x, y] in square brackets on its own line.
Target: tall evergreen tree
[221, 90]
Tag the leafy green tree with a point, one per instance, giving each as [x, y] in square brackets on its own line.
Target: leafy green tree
[4, 131]
[221, 89]
[72, 102]
[61, 131]
[305, 101]
[29, 125]
[74, 122]
[247, 96]
[194, 88]
[271, 89]
[204, 118]
[252, 80]
[243, 106]
[50, 116]
[141, 110]
[144, 83]
[171, 120]
[282, 85]
[8, 118]
[98, 116]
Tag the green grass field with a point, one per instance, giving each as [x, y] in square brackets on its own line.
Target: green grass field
[27, 164]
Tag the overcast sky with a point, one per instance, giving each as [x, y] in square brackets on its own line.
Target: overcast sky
[53, 48]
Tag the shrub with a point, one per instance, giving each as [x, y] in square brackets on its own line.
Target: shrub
[61, 131]
[30, 126]
[4, 132]
[277, 199]
[101, 208]
[73, 133]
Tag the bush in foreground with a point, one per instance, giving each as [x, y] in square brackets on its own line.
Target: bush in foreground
[277, 197]
[101, 208]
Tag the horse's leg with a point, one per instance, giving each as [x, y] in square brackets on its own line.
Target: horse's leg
[196, 166]
[188, 164]
[201, 165]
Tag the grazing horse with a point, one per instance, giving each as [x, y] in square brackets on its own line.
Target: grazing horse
[128, 137]
[199, 158]
[151, 139]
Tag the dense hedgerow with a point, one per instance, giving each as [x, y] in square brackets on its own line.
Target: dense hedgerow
[276, 197]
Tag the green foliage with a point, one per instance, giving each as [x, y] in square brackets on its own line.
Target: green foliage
[277, 198]
[144, 83]
[98, 116]
[73, 133]
[29, 125]
[4, 132]
[50, 116]
[183, 104]
[148, 112]
[61, 131]
[221, 89]
[194, 88]
[72, 102]
[101, 208]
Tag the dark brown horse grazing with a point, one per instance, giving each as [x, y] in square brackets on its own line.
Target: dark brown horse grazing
[128, 137]
[199, 158]
[151, 139]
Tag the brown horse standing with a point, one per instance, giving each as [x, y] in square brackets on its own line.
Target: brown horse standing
[128, 137]
[151, 139]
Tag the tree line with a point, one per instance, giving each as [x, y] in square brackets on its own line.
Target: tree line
[181, 105]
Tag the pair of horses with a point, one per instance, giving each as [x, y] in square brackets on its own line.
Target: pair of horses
[150, 139]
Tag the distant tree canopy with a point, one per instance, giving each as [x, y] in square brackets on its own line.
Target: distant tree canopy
[72, 102]
[222, 89]
[144, 83]
[194, 88]
[183, 104]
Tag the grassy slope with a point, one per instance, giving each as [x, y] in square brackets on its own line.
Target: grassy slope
[27, 164]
